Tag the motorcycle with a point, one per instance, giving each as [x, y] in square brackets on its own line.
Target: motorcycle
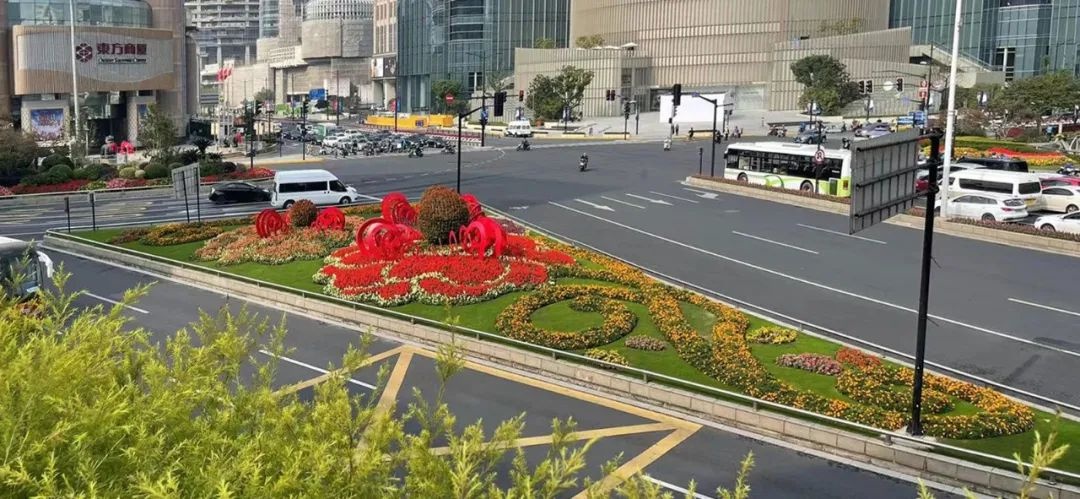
[416, 153]
[449, 149]
[583, 163]
[1069, 170]
[523, 146]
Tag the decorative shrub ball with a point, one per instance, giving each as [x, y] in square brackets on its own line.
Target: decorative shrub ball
[127, 172]
[61, 172]
[645, 343]
[442, 211]
[303, 213]
[155, 170]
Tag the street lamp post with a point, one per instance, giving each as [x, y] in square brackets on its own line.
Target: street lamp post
[74, 85]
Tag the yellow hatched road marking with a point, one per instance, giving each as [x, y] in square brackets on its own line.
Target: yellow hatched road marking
[637, 464]
[614, 431]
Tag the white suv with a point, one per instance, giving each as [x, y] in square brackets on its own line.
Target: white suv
[988, 207]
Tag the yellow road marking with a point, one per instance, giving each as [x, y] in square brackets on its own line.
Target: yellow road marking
[586, 397]
[638, 463]
[615, 431]
[393, 384]
[323, 377]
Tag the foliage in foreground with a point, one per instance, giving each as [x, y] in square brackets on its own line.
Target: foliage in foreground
[96, 407]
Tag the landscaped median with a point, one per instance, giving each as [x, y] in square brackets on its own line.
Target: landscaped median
[445, 258]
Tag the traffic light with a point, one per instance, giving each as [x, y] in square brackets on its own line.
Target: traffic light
[521, 96]
[500, 99]
[862, 86]
[626, 109]
[676, 94]
[306, 108]
[899, 84]
[258, 107]
[869, 86]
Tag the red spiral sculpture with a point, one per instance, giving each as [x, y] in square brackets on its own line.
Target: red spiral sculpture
[481, 235]
[396, 209]
[475, 209]
[383, 239]
[331, 218]
[269, 222]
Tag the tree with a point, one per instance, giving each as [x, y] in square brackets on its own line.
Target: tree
[590, 41]
[265, 95]
[544, 43]
[157, 132]
[442, 88]
[826, 82]
[840, 27]
[84, 141]
[201, 143]
[498, 80]
[18, 155]
[1039, 96]
[548, 96]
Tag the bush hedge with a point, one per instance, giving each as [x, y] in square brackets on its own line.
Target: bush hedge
[441, 212]
[156, 171]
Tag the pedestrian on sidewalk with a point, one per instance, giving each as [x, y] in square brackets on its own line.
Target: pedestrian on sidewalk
[677, 129]
[690, 136]
[727, 134]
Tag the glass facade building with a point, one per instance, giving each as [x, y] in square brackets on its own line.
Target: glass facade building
[121, 13]
[468, 41]
[1019, 37]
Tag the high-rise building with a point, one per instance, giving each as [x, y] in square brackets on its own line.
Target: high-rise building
[129, 55]
[472, 41]
[384, 60]
[1019, 37]
[269, 14]
[227, 30]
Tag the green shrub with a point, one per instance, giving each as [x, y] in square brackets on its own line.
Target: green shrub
[229, 167]
[211, 166]
[302, 213]
[89, 172]
[156, 171]
[441, 212]
[140, 173]
[127, 172]
[62, 172]
[173, 166]
[55, 159]
[187, 156]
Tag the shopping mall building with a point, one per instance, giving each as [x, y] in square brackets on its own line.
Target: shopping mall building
[128, 55]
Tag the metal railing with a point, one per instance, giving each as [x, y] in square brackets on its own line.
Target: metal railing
[643, 374]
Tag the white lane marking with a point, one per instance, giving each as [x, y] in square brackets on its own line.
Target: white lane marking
[651, 200]
[313, 368]
[825, 286]
[372, 198]
[674, 197]
[675, 488]
[770, 241]
[731, 211]
[1037, 305]
[867, 239]
[594, 205]
[114, 302]
[706, 195]
[623, 202]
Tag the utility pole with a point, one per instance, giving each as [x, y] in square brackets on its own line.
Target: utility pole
[950, 129]
[74, 86]
[712, 157]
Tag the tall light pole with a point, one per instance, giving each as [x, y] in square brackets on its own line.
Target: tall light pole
[74, 85]
[950, 119]
[483, 93]
[712, 158]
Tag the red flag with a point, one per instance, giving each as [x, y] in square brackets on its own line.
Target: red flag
[220, 74]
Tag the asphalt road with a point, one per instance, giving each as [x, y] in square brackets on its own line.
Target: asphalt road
[1000, 313]
[709, 455]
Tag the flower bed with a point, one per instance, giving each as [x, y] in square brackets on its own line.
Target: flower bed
[1021, 229]
[516, 320]
[646, 343]
[813, 362]
[244, 245]
[609, 356]
[71, 185]
[772, 335]
[173, 234]
[256, 173]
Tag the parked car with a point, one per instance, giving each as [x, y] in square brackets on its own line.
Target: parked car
[988, 207]
[1061, 199]
[1060, 181]
[810, 137]
[867, 131]
[921, 183]
[1069, 222]
[1024, 186]
[1004, 164]
[238, 192]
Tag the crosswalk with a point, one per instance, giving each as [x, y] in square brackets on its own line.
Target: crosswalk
[650, 199]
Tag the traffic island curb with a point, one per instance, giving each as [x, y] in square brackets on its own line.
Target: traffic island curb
[956, 229]
[876, 450]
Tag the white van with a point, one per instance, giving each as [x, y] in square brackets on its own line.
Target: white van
[317, 186]
[1025, 186]
[519, 129]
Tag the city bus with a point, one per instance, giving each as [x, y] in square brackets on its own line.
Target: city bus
[789, 166]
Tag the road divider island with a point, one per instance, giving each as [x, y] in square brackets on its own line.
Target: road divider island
[446, 259]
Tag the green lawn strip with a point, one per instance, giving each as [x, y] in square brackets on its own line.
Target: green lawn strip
[577, 281]
[481, 316]
[560, 317]
[589, 264]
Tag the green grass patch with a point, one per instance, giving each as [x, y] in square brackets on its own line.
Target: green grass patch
[700, 319]
[577, 281]
[560, 317]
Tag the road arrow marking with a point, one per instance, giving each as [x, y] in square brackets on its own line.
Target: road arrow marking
[594, 205]
[623, 202]
[651, 200]
[673, 197]
[706, 195]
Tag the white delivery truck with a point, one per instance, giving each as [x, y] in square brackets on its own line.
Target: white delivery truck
[519, 129]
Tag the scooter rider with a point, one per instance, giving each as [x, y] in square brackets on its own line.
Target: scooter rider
[524, 145]
[667, 143]
[584, 162]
